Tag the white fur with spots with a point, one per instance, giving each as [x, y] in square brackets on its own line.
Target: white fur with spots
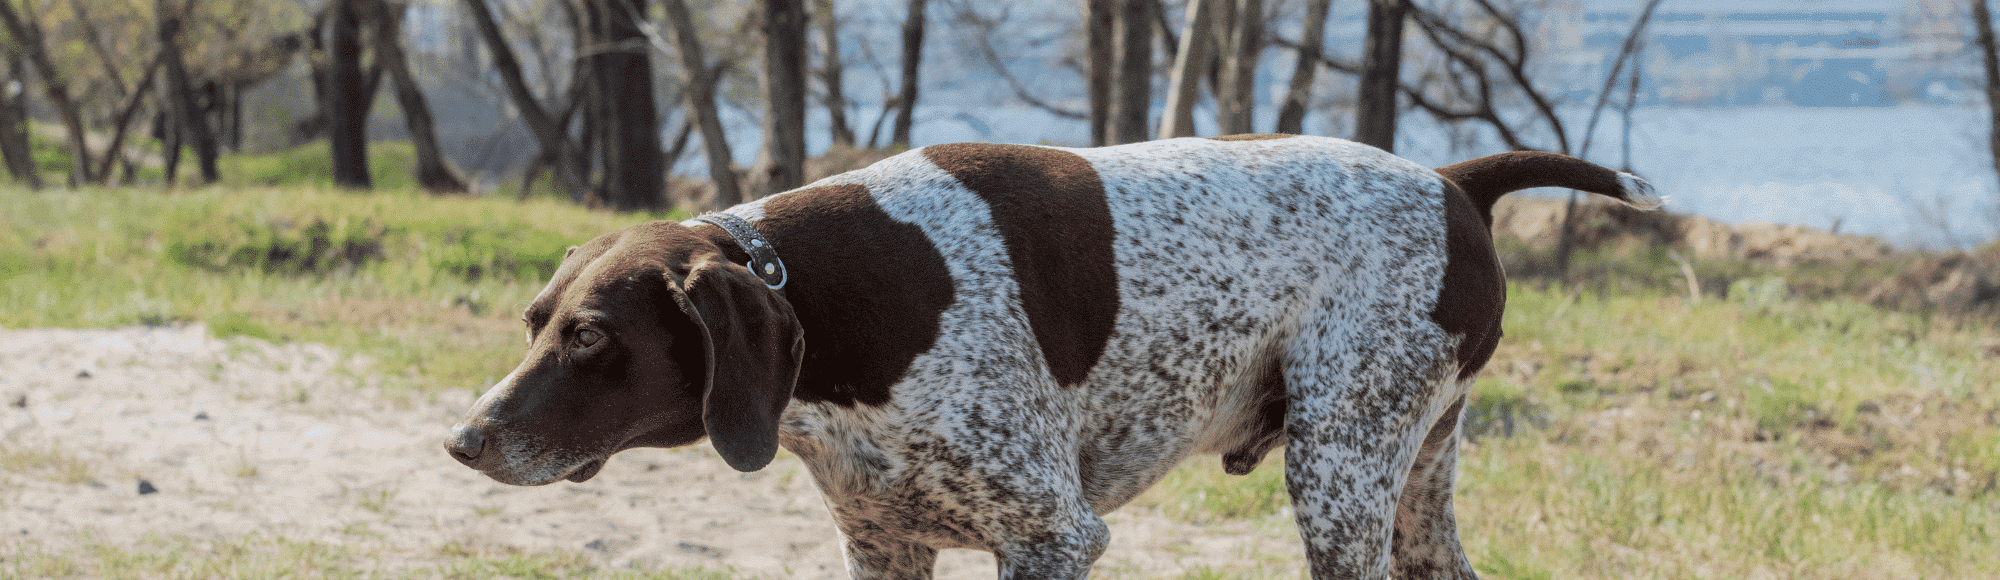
[1319, 256]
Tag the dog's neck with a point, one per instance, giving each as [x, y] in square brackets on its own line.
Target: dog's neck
[743, 244]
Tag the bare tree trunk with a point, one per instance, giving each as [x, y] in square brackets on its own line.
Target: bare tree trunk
[630, 130]
[701, 104]
[1236, 96]
[432, 173]
[27, 37]
[1189, 62]
[830, 75]
[1132, 95]
[346, 106]
[180, 96]
[913, 53]
[1292, 115]
[1982, 24]
[549, 136]
[785, 91]
[14, 146]
[1101, 17]
[122, 125]
[1375, 109]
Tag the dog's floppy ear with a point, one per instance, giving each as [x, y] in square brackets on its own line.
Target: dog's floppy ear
[752, 345]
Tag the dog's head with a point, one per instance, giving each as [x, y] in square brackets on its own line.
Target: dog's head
[645, 337]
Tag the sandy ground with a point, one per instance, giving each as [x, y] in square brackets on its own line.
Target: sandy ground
[240, 436]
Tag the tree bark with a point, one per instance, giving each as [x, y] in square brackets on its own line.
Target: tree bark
[1132, 94]
[14, 146]
[188, 117]
[431, 172]
[913, 56]
[701, 104]
[346, 103]
[1236, 96]
[1100, 17]
[784, 82]
[1292, 115]
[1375, 109]
[27, 37]
[1189, 61]
[831, 72]
[1982, 24]
[630, 129]
[550, 136]
[122, 125]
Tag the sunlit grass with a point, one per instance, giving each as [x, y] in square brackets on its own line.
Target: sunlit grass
[1642, 436]
[436, 300]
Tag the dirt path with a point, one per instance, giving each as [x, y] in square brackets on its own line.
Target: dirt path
[240, 436]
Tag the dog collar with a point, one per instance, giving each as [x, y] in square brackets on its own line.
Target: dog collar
[764, 260]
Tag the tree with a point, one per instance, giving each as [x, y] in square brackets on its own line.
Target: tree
[346, 104]
[27, 39]
[14, 147]
[1100, 24]
[431, 172]
[1982, 25]
[830, 75]
[549, 134]
[1190, 61]
[1292, 114]
[913, 56]
[1375, 104]
[701, 104]
[628, 124]
[1132, 91]
[784, 82]
[187, 118]
[1235, 96]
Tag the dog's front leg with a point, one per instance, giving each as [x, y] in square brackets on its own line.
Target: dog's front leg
[875, 557]
[1065, 551]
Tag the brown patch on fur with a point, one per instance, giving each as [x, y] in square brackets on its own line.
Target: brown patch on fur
[867, 289]
[1474, 291]
[1050, 208]
[1253, 137]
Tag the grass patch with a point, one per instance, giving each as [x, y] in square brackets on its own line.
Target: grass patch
[429, 287]
[1760, 436]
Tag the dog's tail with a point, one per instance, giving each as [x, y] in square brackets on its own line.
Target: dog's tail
[1487, 178]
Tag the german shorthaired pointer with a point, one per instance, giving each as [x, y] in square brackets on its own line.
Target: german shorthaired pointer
[988, 346]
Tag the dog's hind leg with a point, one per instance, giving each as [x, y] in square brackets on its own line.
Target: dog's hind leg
[1426, 541]
[1364, 390]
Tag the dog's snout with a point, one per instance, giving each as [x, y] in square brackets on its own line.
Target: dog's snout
[465, 443]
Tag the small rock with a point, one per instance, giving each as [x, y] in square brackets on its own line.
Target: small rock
[698, 549]
[20, 401]
[597, 544]
[95, 484]
[201, 415]
[83, 374]
[146, 487]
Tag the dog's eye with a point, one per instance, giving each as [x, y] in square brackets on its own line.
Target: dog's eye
[587, 337]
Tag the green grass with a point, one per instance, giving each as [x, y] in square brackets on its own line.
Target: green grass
[429, 287]
[1753, 437]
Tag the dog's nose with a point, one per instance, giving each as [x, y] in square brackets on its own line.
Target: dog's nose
[465, 443]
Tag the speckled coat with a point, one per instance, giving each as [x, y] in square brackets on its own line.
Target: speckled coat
[989, 346]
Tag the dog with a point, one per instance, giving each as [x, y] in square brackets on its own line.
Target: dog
[987, 347]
